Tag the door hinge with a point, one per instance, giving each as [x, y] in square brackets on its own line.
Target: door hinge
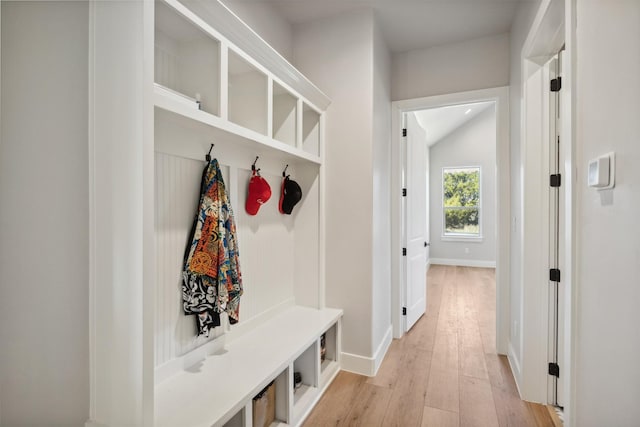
[404, 251]
[556, 84]
[426, 244]
[404, 132]
[554, 370]
[555, 180]
[554, 275]
[404, 192]
[404, 311]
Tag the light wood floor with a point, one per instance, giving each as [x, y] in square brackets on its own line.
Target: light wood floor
[444, 372]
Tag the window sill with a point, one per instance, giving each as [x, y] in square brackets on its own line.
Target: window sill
[474, 239]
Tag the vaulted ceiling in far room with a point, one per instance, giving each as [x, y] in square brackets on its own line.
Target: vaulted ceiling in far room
[440, 122]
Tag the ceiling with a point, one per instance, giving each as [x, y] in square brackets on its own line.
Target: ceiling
[440, 122]
[413, 24]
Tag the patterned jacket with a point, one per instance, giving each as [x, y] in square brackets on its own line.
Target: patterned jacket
[212, 282]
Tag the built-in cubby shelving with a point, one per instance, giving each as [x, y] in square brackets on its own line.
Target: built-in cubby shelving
[217, 83]
[170, 108]
[171, 79]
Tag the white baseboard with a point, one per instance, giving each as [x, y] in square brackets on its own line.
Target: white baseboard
[364, 365]
[357, 364]
[463, 262]
[428, 263]
[515, 367]
[382, 350]
[91, 423]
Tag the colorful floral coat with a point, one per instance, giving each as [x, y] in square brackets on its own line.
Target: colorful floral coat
[212, 282]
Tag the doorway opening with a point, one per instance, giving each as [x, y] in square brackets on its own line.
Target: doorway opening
[406, 266]
[449, 193]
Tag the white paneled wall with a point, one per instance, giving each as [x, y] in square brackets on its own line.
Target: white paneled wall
[176, 199]
[266, 251]
[266, 246]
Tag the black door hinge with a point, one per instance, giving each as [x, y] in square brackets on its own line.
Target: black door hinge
[404, 251]
[404, 192]
[554, 275]
[556, 84]
[404, 132]
[404, 311]
[555, 180]
[554, 370]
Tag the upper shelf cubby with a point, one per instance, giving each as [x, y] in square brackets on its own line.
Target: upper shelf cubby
[187, 60]
[248, 94]
[285, 115]
[229, 26]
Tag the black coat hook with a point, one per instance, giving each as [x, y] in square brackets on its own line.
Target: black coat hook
[208, 156]
[284, 172]
[253, 166]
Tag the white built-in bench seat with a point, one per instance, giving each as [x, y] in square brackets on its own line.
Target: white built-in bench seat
[219, 390]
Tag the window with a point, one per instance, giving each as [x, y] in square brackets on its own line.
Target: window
[461, 201]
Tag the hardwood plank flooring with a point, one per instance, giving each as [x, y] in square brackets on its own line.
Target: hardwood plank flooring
[432, 417]
[443, 373]
[443, 391]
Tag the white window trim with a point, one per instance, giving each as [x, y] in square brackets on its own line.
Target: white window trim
[461, 237]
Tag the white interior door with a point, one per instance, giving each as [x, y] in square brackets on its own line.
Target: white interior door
[416, 211]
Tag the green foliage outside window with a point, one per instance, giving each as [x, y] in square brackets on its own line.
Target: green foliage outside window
[461, 196]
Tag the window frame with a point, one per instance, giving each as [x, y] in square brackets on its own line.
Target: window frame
[453, 237]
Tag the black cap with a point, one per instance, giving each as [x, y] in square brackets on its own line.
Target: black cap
[291, 195]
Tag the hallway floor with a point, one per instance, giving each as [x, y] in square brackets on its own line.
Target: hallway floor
[444, 372]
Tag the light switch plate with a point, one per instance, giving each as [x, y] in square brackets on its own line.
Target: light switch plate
[601, 172]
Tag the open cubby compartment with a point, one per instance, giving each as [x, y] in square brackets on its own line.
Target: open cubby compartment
[281, 383]
[187, 60]
[306, 365]
[285, 115]
[311, 130]
[240, 419]
[307, 391]
[330, 364]
[248, 94]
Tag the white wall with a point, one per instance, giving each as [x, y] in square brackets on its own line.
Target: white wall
[264, 19]
[381, 189]
[337, 55]
[472, 144]
[475, 64]
[44, 234]
[519, 31]
[607, 340]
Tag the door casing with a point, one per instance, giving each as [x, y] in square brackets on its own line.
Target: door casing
[500, 96]
[552, 28]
